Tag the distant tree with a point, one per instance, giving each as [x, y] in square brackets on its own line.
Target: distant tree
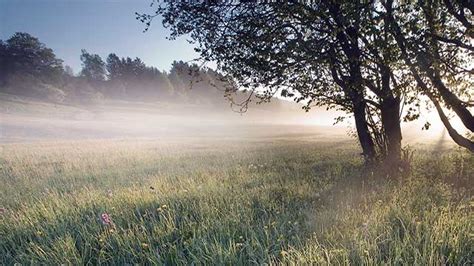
[93, 67]
[164, 86]
[3, 63]
[179, 78]
[115, 74]
[68, 71]
[114, 67]
[133, 78]
[27, 67]
[24, 55]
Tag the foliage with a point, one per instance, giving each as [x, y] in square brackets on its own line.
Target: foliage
[93, 67]
[26, 54]
[31, 69]
[370, 59]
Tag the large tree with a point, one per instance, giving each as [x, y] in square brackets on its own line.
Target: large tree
[365, 58]
[319, 53]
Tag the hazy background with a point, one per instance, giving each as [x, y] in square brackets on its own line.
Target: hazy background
[104, 27]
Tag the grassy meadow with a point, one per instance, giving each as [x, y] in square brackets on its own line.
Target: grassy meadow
[229, 202]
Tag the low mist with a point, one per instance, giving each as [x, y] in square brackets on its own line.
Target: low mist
[28, 119]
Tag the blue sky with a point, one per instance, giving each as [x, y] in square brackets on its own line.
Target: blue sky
[99, 26]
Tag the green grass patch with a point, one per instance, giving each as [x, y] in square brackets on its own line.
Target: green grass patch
[276, 203]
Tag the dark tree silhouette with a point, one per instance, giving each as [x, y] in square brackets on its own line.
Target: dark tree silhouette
[342, 54]
[24, 60]
[312, 53]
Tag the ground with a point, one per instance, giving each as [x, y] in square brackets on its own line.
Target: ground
[229, 202]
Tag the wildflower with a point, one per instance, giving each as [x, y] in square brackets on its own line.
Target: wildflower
[39, 233]
[3, 210]
[144, 245]
[283, 253]
[109, 193]
[105, 219]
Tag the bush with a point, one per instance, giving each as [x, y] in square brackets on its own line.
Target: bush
[80, 91]
[28, 85]
[51, 93]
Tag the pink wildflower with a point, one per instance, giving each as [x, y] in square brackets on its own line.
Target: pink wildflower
[105, 219]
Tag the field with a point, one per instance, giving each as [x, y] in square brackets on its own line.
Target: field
[280, 200]
[125, 183]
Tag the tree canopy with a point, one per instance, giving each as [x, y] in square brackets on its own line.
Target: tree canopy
[23, 56]
[340, 54]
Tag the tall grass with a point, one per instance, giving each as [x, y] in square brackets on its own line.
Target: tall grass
[284, 202]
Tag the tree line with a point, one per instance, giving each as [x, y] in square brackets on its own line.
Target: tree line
[29, 68]
[381, 62]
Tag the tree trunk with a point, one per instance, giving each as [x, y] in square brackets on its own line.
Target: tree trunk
[390, 109]
[353, 87]
[458, 138]
[365, 139]
[399, 38]
[451, 99]
[390, 112]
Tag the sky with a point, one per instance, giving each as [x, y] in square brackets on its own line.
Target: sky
[99, 26]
